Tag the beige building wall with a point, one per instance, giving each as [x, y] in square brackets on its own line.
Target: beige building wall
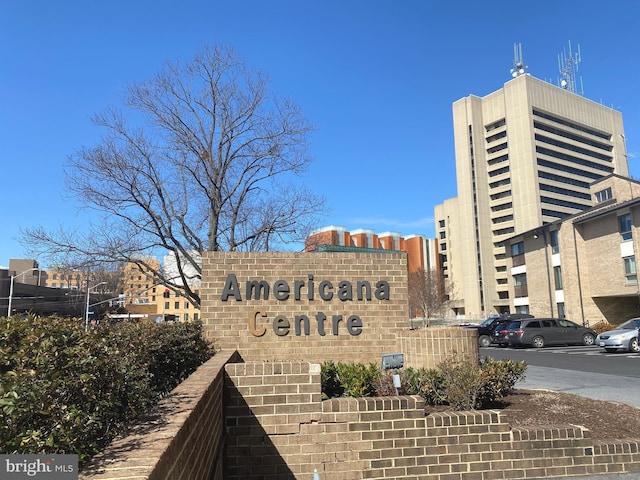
[448, 232]
[525, 156]
[144, 296]
[590, 256]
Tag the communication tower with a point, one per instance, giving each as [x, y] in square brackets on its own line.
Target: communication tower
[519, 67]
[568, 64]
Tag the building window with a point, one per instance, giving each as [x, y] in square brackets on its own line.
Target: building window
[557, 275]
[517, 254]
[520, 284]
[176, 305]
[195, 317]
[186, 317]
[561, 311]
[522, 309]
[624, 222]
[441, 223]
[630, 269]
[603, 195]
[186, 305]
[553, 240]
[517, 249]
[166, 305]
[443, 235]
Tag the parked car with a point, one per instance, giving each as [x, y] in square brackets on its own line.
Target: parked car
[538, 332]
[486, 328]
[624, 337]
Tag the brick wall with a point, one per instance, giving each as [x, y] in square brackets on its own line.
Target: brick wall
[384, 322]
[277, 427]
[227, 321]
[428, 347]
[182, 439]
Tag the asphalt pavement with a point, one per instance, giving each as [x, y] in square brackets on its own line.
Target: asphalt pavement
[598, 386]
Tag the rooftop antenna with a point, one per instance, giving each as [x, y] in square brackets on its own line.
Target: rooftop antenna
[519, 67]
[568, 65]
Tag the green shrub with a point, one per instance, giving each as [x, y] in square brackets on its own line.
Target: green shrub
[331, 386]
[358, 379]
[461, 385]
[63, 390]
[499, 378]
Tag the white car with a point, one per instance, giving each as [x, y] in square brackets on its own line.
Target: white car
[624, 337]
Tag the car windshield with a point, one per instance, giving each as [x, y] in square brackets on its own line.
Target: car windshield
[488, 321]
[632, 324]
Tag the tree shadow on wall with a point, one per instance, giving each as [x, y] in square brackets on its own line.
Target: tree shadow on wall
[249, 451]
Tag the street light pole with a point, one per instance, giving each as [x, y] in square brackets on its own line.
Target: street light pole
[86, 312]
[13, 277]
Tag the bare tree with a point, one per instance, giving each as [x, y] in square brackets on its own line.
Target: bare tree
[427, 293]
[205, 158]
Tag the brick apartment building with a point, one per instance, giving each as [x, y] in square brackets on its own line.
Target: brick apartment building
[582, 267]
[421, 252]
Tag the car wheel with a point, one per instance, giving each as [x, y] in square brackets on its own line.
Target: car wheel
[537, 342]
[634, 346]
[484, 341]
[588, 339]
[610, 350]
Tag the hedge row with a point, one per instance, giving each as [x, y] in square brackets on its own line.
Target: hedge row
[64, 390]
[461, 385]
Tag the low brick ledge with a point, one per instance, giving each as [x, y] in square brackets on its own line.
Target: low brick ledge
[368, 404]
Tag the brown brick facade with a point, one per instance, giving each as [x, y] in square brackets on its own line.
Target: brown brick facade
[227, 321]
[277, 427]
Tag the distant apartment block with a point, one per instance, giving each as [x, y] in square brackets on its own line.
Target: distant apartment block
[147, 297]
[421, 252]
[526, 156]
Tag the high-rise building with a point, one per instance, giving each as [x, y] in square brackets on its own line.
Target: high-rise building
[525, 156]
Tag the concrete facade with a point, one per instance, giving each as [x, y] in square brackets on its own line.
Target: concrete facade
[525, 156]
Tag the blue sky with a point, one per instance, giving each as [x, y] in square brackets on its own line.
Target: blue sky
[377, 78]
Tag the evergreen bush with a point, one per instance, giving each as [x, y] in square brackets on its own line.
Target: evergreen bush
[64, 390]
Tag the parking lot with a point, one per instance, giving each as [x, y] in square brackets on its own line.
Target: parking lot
[586, 371]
